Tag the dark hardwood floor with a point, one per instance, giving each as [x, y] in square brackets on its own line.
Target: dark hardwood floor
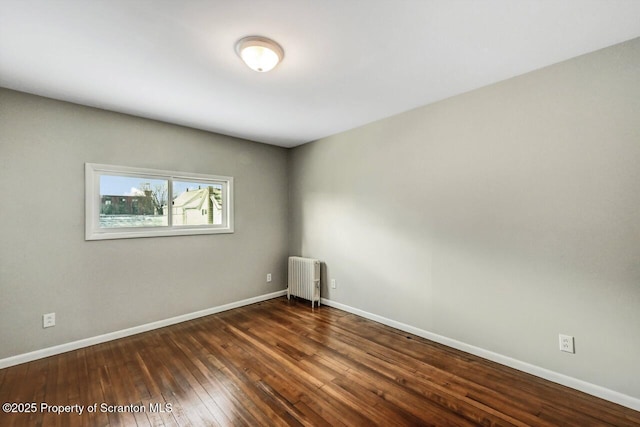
[282, 363]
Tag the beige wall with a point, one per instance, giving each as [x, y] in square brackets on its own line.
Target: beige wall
[500, 218]
[98, 287]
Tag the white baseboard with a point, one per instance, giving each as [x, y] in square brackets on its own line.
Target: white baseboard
[592, 389]
[63, 348]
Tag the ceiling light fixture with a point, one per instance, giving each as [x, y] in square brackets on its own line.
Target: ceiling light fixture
[259, 53]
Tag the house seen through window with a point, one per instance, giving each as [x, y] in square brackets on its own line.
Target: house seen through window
[196, 203]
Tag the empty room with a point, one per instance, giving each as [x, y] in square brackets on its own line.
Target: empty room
[320, 213]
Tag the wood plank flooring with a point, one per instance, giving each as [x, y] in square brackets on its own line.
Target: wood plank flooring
[281, 363]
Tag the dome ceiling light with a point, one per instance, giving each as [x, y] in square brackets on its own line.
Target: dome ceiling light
[259, 53]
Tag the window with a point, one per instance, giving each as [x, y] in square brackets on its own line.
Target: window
[124, 202]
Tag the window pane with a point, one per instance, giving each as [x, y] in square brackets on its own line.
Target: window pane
[123, 202]
[196, 203]
[127, 201]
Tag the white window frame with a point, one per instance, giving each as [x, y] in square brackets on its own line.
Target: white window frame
[93, 172]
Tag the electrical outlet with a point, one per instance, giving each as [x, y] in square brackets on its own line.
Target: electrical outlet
[48, 320]
[269, 277]
[566, 343]
[333, 283]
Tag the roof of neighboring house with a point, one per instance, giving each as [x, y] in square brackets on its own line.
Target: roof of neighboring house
[194, 199]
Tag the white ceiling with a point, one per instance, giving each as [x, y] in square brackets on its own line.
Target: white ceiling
[347, 62]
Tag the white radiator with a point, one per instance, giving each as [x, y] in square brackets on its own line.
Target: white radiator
[304, 279]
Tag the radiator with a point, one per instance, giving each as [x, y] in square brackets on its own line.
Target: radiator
[304, 279]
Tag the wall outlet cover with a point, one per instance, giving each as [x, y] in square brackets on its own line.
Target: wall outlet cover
[566, 343]
[48, 320]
